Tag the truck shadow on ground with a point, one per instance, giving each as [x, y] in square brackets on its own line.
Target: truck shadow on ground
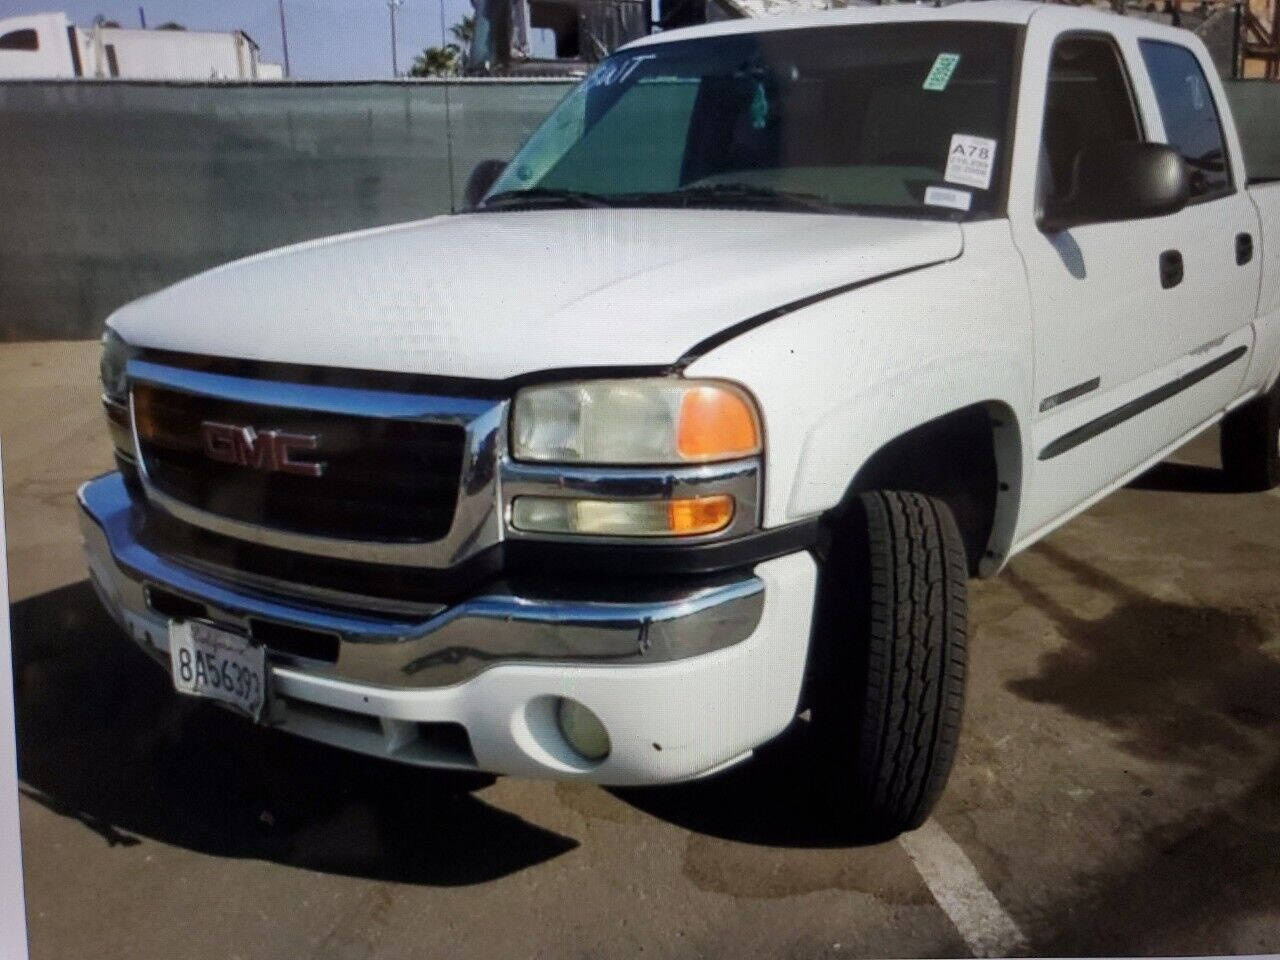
[1180, 683]
[1169, 477]
[103, 739]
[778, 798]
[1190, 688]
[1193, 873]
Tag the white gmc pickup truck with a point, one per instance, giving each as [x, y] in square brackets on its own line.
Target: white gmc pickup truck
[699, 418]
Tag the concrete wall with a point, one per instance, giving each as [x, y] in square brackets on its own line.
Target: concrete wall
[111, 190]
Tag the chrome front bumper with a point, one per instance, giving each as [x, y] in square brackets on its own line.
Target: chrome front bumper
[496, 626]
[684, 686]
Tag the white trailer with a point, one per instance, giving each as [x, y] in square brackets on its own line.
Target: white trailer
[48, 45]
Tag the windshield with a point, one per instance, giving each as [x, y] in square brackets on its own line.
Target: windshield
[906, 119]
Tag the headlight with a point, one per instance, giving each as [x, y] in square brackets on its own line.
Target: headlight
[115, 390]
[115, 355]
[654, 421]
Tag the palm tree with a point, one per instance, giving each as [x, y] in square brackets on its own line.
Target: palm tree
[436, 62]
[464, 31]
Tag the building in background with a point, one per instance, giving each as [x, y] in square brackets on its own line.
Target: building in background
[48, 45]
[574, 35]
[568, 37]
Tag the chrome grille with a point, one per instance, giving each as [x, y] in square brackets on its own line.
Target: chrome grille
[382, 480]
[406, 479]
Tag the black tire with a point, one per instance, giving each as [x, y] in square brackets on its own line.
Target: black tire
[893, 608]
[1250, 443]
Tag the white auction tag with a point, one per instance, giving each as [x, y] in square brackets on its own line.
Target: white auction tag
[946, 197]
[970, 161]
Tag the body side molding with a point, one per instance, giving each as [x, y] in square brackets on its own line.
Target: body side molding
[1100, 425]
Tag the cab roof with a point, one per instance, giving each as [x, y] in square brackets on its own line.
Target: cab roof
[1017, 12]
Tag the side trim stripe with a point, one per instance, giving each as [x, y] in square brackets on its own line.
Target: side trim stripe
[742, 326]
[1086, 432]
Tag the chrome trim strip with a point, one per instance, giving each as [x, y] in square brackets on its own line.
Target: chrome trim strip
[1071, 393]
[476, 521]
[497, 627]
[740, 478]
[119, 427]
[353, 401]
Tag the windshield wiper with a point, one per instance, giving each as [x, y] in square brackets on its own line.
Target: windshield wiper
[719, 194]
[543, 196]
[738, 194]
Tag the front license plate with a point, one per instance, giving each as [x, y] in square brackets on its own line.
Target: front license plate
[209, 662]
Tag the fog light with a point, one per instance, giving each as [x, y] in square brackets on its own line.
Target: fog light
[622, 518]
[583, 729]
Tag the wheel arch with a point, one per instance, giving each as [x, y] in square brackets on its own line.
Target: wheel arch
[970, 458]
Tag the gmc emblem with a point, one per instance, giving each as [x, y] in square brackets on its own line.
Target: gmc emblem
[269, 450]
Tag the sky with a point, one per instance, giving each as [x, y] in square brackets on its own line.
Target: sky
[328, 39]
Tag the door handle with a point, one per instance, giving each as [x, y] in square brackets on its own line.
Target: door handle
[1244, 248]
[1170, 268]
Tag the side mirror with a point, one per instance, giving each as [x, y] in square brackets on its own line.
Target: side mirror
[483, 176]
[1120, 181]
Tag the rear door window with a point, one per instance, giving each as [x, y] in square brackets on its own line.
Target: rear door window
[1191, 121]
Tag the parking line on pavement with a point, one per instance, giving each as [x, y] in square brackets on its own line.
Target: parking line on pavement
[951, 877]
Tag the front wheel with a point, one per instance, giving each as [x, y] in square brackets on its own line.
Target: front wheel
[893, 616]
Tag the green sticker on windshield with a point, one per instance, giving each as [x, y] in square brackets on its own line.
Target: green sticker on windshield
[941, 71]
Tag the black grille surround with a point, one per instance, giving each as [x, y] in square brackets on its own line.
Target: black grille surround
[383, 480]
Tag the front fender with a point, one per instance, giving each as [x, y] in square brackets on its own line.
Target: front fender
[838, 380]
[848, 435]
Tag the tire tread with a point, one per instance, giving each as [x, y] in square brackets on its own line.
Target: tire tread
[915, 658]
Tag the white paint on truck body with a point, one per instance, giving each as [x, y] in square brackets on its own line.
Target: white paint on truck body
[496, 295]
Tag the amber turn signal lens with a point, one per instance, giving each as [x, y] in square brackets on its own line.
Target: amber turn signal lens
[699, 515]
[144, 413]
[716, 423]
[622, 518]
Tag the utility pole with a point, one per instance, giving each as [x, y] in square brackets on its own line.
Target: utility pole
[392, 7]
[284, 39]
[1237, 29]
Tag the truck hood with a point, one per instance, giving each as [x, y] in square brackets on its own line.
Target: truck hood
[496, 295]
